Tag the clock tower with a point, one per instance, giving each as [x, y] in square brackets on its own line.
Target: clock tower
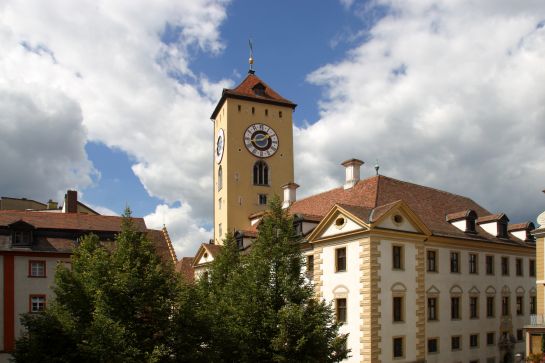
[253, 152]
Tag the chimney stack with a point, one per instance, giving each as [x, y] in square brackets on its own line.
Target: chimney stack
[352, 168]
[71, 201]
[289, 194]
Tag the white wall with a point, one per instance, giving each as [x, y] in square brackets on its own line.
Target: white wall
[350, 279]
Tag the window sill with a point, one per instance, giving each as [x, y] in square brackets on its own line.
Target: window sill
[36, 277]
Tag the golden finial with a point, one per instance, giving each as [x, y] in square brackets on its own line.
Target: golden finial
[251, 59]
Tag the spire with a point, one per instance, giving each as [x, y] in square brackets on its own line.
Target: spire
[251, 59]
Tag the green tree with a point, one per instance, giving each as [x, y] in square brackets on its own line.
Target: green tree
[262, 308]
[117, 303]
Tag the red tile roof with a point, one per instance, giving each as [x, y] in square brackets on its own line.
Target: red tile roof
[68, 221]
[247, 90]
[378, 193]
[185, 268]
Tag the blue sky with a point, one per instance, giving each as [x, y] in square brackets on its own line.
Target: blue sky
[115, 101]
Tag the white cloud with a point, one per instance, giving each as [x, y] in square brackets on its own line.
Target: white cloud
[446, 94]
[117, 72]
[184, 230]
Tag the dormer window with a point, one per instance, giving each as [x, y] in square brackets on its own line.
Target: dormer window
[259, 89]
[522, 231]
[495, 224]
[21, 234]
[464, 221]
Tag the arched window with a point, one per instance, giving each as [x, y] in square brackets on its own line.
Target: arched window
[261, 173]
[220, 178]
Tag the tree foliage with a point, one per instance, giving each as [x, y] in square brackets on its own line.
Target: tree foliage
[260, 305]
[115, 304]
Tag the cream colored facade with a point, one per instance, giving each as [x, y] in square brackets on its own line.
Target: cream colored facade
[370, 283]
[236, 196]
[535, 328]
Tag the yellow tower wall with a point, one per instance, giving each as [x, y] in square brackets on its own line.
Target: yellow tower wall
[239, 195]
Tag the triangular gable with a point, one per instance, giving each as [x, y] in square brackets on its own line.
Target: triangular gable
[203, 256]
[398, 216]
[21, 225]
[338, 221]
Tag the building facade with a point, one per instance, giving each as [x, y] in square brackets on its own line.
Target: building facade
[415, 274]
[33, 243]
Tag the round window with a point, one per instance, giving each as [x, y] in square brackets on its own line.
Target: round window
[398, 219]
[339, 222]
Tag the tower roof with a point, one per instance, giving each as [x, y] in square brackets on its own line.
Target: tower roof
[252, 88]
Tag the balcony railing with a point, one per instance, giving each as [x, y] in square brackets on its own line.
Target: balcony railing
[537, 320]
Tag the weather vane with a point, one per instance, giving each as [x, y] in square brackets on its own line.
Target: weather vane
[377, 166]
[251, 59]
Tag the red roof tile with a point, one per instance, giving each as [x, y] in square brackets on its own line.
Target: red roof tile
[431, 205]
[69, 221]
[253, 88]
[185, 268]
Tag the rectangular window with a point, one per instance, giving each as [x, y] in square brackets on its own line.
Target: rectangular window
[490, 311]
[432, 308]
[219, 203]
[433, 345]
[397, 257]
[532, 267]
[474, 307]
[455, 308]
[474, 340]
[505, 266]
[37, 303]
[490, 338]
[520, 335]
[505, 306]
[398, 347]
[490, 265]
[36, 268]
[432, 261]
[533, 306]
[455, 262]
[473, 263]
[340, 310]
[220, 231]
[340, 259]
[398, 308]
[518, 265]
[310, 266]
[262, 199]
[520, 305]
[455, 342]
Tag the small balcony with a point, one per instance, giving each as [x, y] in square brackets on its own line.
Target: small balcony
[537, 321]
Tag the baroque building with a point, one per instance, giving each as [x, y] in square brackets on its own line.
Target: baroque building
[415, 274]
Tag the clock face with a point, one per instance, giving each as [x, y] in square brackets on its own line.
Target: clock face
[261, 140]
[220, 144]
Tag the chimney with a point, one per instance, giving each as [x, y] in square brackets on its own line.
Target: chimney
[71, 201]
[352, 168]
[289, 194]
[51, 204]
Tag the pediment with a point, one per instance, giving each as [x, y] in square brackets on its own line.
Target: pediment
[398, 216]
[337, 222]
[474, 291]
[433, 290]
[203, 256]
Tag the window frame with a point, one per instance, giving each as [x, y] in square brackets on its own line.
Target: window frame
[458, 310]
[490, 313]
[30, 269]
[519, 305]
[400, 339]
[532, 267]
[490, 265]
[519, 267]
[400, 266]
[30, 303]
[488, 335]
[505, 307]
[338, 258]
[505, 265]
[430, 261]
[457, 260]
[476, 336]
[473, 263]
[452, 348]
[474, 307]
[436, 339]
[341, 312]
[432, 316]
[398, 316]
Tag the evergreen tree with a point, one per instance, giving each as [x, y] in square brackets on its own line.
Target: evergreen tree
[261, 306]
[115, 304]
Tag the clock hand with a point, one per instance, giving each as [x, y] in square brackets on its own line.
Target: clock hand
[260, 138]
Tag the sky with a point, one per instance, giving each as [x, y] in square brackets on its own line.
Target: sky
[113, 98]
